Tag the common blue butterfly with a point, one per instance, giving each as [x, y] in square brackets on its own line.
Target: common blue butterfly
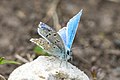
[58, 43]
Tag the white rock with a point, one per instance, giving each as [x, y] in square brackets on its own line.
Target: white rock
[47, 68]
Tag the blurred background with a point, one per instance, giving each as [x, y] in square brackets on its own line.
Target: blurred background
[97, 43]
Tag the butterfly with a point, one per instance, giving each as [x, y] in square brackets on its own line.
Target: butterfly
[58, 43]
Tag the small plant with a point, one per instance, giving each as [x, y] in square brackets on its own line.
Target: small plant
[4, 61]
[94, 73]
[40, 51]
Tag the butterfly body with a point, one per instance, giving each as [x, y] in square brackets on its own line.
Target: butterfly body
[58, 43]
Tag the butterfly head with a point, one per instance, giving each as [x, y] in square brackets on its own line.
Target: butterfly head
[68, 54]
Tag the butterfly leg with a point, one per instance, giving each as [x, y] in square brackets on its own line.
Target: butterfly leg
[62, 59]
[65, 59]
[65, 63]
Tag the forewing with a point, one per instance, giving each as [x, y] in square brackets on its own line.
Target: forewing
[46, 46]
[72, 26]
[50, 35]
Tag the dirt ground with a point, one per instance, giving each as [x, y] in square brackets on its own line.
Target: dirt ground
[97, 42]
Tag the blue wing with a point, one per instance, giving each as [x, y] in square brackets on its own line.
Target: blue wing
[71, 29]
[62, 33]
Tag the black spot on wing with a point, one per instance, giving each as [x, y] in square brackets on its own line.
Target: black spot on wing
[55, 34]
[48, 34]
[57, 40]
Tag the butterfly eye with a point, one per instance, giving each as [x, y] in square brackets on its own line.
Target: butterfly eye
[68, 52]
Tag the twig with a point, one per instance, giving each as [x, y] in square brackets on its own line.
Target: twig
[37, 6]
[30, 57]
[21, 58]
[56, 21]
[51, 11]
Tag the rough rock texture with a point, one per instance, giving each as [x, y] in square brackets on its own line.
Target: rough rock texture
[47, 68]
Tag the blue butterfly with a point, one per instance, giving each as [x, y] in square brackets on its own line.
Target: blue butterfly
[58, 43]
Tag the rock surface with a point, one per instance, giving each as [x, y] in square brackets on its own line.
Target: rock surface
[47, 68]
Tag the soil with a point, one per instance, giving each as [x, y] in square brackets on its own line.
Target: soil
[96, 45]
